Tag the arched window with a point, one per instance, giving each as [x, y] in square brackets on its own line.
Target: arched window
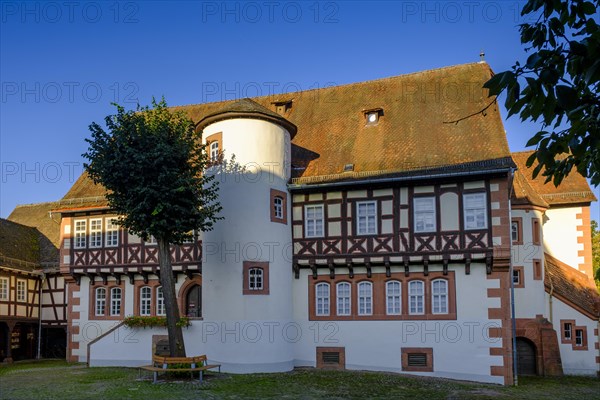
[160, 302]
[115, 301]
[365, 298]
[255, 279]
[214, 150]
[416, 297]
[100, 301]
[439, 296]
[322, 299]
[343, 298]
[145, 300]
[278, 207]
[393, 298]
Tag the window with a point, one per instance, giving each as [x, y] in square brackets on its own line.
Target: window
[372, 116]
[365, 298]
[424, 214]
[255, 279]
[112, 233]
[21, 290]
[3, 288]
[439, 296]
[100, 301]
[214, 146]
[278, 206]
[214, 151]
[343, 298]
[416, 297]
[579, 337]
[475, 211]
[80, 228]
[516, 277]
[160, 302]
[115, 301]
[417, 359]
[537, 270]
[331, 357]
[145, 300]
[313, 221]
[567, 330]
[151, 240]
[392, 294]
[366, 218]
[95, 233]
[514, 231]
[535, 227]
[322, 299]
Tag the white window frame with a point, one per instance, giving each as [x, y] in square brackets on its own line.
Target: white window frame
[365, 298]
[475, 211]
[145, 301]
[21, 290]
[4, 288]
[256, 278]
[322, 299]
[160, 302]
[100, 302]
[579, 337]
[439, 298]
[314, 233]
[343, 298]
[116, 301]
[423, 215]
[214, 150]
[95, 233]
[568, 332]
[393, 298]
[112, 233]
[151, 240]
[80, 229]
[514, 231]
[278, 207]
[190, 239]
[516, 274]
[367, 216]
[416, 298]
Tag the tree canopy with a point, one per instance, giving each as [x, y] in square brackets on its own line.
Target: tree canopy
[152, 163]
[558, 86]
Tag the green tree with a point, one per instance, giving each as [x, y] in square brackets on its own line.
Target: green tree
[596, 252]
[151, 163]
[558, 86]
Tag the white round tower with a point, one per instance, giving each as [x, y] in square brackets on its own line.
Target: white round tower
[247, 257]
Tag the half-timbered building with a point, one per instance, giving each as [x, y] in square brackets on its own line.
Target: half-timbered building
[364, 229]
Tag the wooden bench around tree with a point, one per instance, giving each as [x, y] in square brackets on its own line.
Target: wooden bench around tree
[165, 364]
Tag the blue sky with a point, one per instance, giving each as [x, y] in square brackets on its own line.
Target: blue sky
[63, 63]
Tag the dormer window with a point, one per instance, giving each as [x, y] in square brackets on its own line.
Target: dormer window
[282, 107]
[372, 116]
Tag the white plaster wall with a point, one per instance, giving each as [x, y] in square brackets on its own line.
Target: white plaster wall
[529, 301]
[376, 345]
[560, 234]
[575, 362]
[247, 234]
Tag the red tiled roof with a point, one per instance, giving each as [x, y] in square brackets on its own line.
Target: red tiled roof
[571, 286]
[573, 189]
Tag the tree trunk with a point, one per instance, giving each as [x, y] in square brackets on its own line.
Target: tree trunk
[176, 344]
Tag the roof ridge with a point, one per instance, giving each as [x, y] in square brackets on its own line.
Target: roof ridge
[447, 67]
[35, 204]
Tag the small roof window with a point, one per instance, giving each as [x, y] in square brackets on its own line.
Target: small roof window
[372, 116]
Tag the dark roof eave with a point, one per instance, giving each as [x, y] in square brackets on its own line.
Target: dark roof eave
[400, 178]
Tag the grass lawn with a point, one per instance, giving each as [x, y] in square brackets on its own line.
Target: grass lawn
[59, 380]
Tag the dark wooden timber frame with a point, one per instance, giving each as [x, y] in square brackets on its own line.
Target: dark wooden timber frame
[403, 247]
